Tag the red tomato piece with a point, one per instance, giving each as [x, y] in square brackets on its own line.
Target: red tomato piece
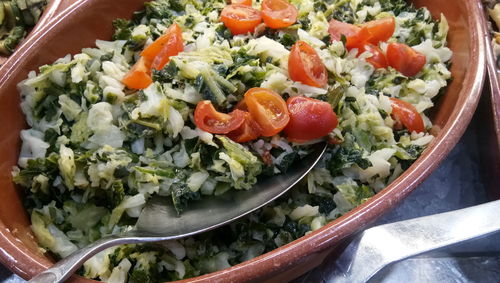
[278, 13]
[406, 114]
[139, 77]
[212, 121]
[167, 45]
[309, 119]
[377, 58]
[248, 131]
[240, 19]
[405, 59]
[242, 2]
[380, 30]
[173, 47]
[241, 105]
[268, 109]
[355, 36]
[305, 66]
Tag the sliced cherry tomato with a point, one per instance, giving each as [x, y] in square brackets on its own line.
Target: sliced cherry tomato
[240, 19]
[405, 59]
[241, 105]
[380, 30]
[212, 121]
[173, 47]
[139, 77]
[305, 66]
[242, 2]
[406, 114]
[167, 45]
[248, 131]
[355, 36]
[377, 58]
[278, 13]
[309, 119]
[268, 109]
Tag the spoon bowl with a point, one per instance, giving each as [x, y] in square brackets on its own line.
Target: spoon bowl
[159, 221]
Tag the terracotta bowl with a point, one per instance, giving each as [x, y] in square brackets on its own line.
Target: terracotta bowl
[85, 21]
[491, 112]
[53, 8]
[493, 78]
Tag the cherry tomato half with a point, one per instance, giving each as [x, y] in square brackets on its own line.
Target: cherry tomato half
[167, 45]
[242, 2]
[406, 114]
[139, 77]
[240, 19]
[355, 36]
[248, 131]
[278, 13]
[212, 121]
[241, 105]
[380, 30]
[305, 66]
[268, 109]
[377, 59]
[405, 59]
[309, 119]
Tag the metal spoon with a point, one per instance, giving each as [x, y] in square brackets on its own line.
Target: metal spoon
[160, 222]
[383, 245]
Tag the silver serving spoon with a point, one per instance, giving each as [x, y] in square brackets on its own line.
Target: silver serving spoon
[160, 222]
[383, 245]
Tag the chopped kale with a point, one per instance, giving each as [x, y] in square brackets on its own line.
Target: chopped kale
[181, 195]
[167, 74]
[347, 154]
[122, 29]
[213, 87]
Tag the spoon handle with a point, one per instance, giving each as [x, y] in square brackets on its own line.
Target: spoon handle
[63, 269]
[382, 245]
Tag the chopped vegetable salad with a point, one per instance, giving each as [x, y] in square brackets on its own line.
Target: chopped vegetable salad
[193, 98]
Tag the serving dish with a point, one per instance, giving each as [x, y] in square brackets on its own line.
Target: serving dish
[51, 10]
[78, 29]
[492, 100]
[493, 75]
